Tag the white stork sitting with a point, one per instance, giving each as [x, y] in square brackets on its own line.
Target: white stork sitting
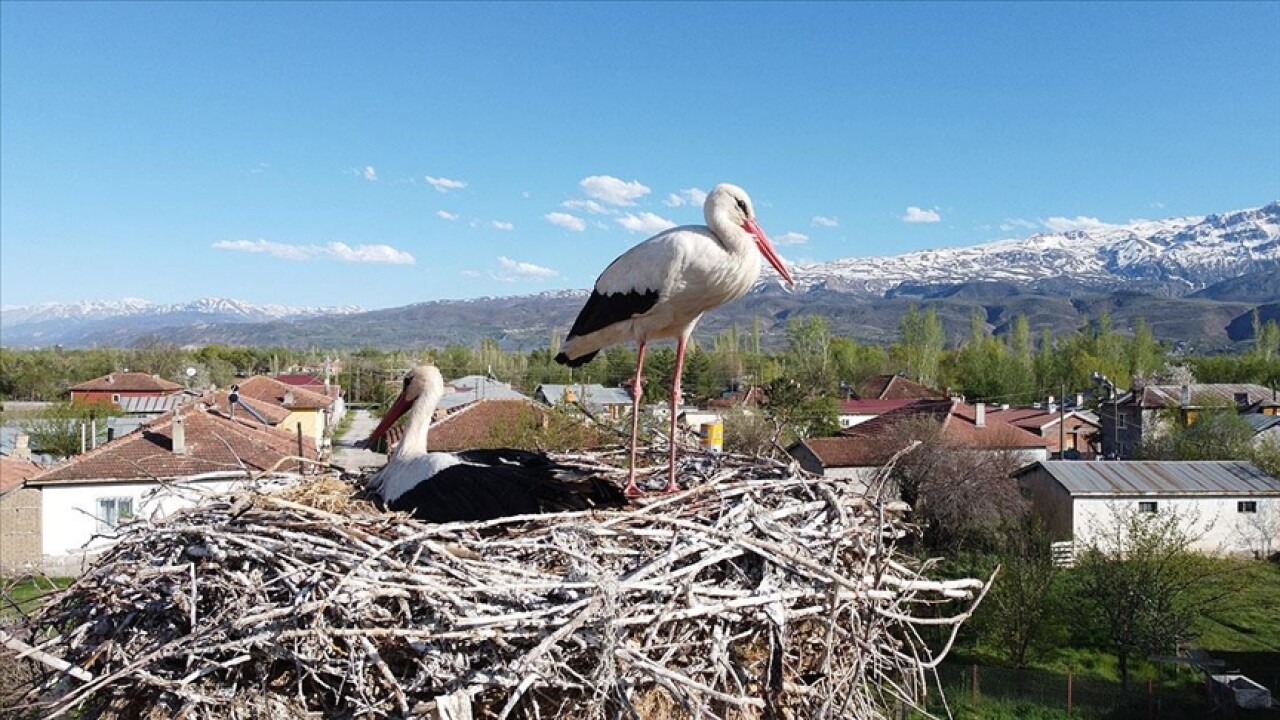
[473, 484]
[661, 287]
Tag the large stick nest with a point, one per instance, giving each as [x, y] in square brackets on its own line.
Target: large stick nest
[762, 591]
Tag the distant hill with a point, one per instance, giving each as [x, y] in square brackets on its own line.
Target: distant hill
[1195, 281]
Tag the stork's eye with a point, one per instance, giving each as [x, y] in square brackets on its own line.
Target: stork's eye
[743, 206]
[408, 379]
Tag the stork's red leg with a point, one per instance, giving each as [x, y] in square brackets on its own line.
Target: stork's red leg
[631, 490]
[675, 408]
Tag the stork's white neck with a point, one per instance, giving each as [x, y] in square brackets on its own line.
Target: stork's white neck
[731, 235]
[418, 426]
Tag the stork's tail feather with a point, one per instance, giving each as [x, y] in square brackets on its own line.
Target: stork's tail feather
[579, 361]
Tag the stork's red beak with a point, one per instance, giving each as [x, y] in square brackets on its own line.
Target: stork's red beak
[397, 409]
[766, 249]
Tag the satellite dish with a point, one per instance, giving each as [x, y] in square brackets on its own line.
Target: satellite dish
[191, 372]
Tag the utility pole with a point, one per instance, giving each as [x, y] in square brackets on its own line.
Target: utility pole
[1062, 422]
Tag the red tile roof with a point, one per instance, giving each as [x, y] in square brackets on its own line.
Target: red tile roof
[864, 444]
[13, 471]
[894, 387]
[302, 380]
[481, 424]
[873, 407]
[214, 444]
[127, 382]
[275, 392]
[1035, 419]
[219, 399]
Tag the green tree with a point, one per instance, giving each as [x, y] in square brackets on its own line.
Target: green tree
[922, 343]
[58, 429]
[1024, 597]
[1142, 584]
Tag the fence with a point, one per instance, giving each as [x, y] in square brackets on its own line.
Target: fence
[976, 686]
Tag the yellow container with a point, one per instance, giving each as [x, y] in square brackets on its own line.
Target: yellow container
[712, 434]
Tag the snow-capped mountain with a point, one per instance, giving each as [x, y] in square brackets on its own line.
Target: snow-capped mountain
[1171, 257]
[219, 310]
[50, 323]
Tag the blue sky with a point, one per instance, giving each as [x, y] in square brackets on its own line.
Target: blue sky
[384, 154]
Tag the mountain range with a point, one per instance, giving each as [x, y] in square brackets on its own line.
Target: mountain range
[1196, 280]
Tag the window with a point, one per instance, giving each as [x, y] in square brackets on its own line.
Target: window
[1247, 506]
[112, 512]
[1147, 507]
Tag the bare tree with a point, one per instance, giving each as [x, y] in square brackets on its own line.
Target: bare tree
[958, 493]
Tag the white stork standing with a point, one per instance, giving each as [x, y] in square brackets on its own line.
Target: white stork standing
[473, 484]
[661, 287]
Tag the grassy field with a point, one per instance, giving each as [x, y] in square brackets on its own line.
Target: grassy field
[22, 595]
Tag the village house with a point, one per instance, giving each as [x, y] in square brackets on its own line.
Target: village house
[611, 402]
[1227, 501]
[895, 387]
[474, 388]
[858, 452]
[856, 412]
[1070, 432]
[1146, 409]
[19, 516]
[116, 386]
[308, 412]
[314, 384]
[171, 463]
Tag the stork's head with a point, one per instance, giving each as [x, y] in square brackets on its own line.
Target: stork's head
[422, 381]
[730, 204]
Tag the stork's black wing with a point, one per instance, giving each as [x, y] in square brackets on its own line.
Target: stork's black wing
[486, 492]
[603, 310]
[508, 456]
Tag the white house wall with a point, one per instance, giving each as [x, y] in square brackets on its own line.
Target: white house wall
[1224, 528]
[70, 513]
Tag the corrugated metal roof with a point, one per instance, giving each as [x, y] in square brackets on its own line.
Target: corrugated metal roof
[151, 404]
[1124, 477]
[590, 395]
[1261, 423]
[472, 388]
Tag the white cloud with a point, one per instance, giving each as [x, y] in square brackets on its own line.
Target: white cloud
[645, 222]
[1080, 222]
[470, 273]
[791, 238]
[688, 196]
[611, 190]
[566, 221]
[520, 270]
[445, 184]
[824, 221]
[919, 215]
[446, 215]
[590, 206]
[368, 173]
[334, 251]
[499, 225]
[259, 168]
[368, 254]
[275, 249]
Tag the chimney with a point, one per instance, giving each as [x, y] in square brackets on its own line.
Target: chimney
[288, 397]
[111, 377]
[1079, 400]
[1186, 396]
[1051, 406]
[980, 415]
[1242, 400]
[21, 447]
[179, 435]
